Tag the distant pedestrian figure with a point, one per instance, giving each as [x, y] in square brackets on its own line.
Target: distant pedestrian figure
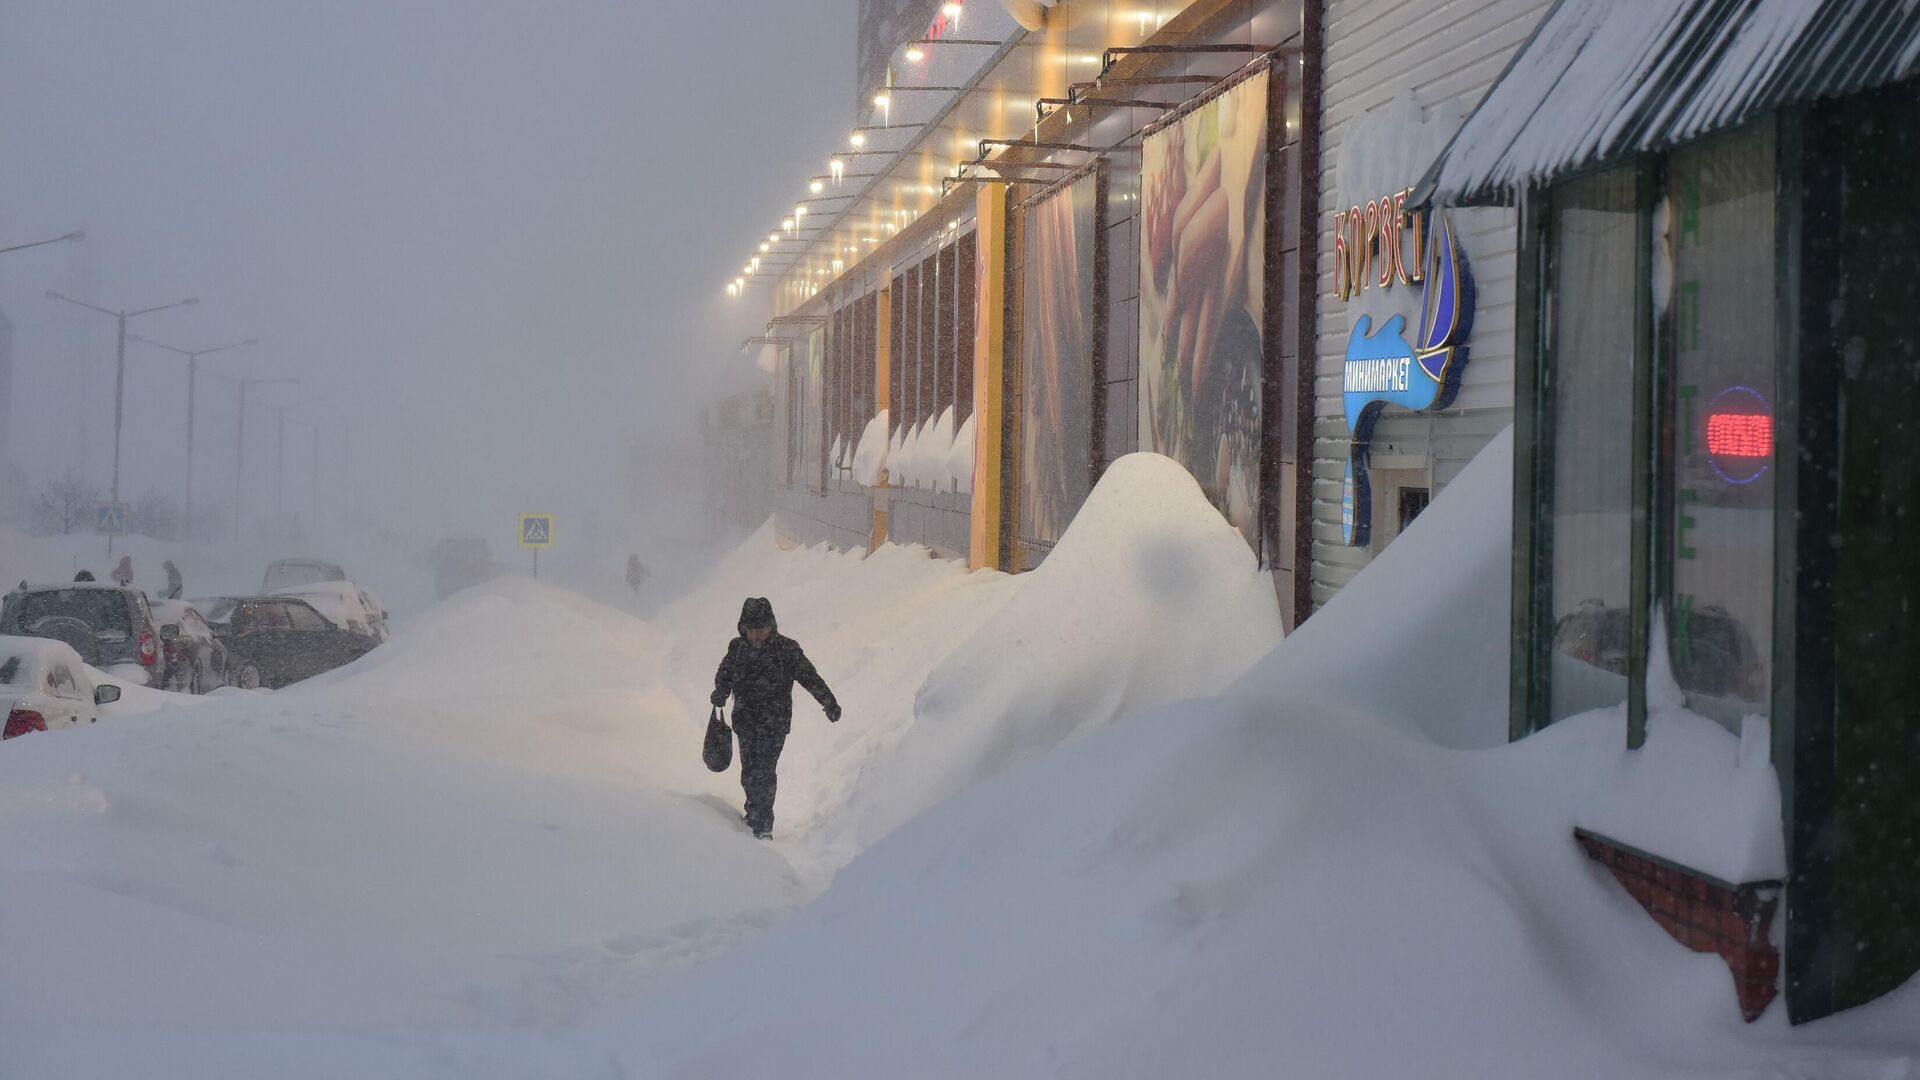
[759, 671]
[124, 572]
[174, 584]
[84, 575]
[636, 573]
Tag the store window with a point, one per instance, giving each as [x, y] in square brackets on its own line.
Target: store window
[1659, 347]
[1721, 333]
[1594, 229]
[963, 302]
[896, 353]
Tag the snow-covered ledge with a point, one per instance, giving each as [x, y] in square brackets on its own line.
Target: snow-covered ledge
[1689, 824]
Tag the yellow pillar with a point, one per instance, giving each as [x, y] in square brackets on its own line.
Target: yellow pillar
[989, 356]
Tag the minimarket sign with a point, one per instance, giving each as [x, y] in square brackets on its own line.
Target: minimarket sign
[1381, 246]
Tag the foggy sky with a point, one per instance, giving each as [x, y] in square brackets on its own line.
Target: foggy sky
[494, 234]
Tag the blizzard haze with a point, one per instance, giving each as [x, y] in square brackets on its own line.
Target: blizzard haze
[491, 236]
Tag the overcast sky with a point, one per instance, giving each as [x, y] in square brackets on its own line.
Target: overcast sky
[493, 233]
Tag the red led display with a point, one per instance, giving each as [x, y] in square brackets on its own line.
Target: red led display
[1740, 435]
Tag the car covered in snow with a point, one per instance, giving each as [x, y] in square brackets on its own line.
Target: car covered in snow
[46, 686]
[273, 641]
[111, 626]
[288, 573]
[346, 605]
[196, 660]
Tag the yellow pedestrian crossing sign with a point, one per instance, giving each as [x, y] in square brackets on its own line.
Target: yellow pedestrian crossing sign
[536, 531]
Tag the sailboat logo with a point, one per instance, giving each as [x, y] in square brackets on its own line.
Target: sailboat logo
[1383, 368]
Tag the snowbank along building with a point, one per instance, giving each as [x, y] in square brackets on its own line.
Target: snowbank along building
[1321, 252]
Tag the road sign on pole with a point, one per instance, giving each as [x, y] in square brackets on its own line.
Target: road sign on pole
[536, 532]
[112, 520]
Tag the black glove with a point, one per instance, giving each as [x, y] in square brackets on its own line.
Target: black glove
[833, 713]
[719, 699]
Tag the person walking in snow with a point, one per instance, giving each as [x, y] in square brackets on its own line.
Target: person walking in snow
[124, 572]
[175, 585]
[759, 671]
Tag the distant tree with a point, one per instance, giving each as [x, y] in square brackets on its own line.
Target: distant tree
[65, 504]
[154, 514]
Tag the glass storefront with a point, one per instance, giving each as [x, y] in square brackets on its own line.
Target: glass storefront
[1719, 217]
[1710, 576]
[1594, 232]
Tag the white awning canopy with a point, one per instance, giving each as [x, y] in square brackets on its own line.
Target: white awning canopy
[1601, 79]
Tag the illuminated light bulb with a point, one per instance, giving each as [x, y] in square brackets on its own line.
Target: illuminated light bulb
[951, 11]
[915, 54]
[857, 139]
[766, 246]
[816, 187]
[837, 167]
[882, 100]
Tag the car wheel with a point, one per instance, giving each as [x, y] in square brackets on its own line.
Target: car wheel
[249, 678]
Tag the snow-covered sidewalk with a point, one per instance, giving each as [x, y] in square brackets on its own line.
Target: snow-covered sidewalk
[498, 824]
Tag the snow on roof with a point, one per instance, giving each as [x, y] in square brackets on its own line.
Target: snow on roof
[342, 602]
[50, 587]
[1600, 79]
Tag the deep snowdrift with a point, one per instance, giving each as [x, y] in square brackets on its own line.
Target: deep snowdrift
[477, 826]
[497, 823]
[1149, 597]
[1270, 883]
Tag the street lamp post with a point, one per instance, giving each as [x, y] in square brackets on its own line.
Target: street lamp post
[313, 487]
[120, 375]
[193, 362]
[280, 485]
[240, 439]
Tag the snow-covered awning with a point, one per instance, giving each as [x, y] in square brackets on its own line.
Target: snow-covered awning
[1600, 79]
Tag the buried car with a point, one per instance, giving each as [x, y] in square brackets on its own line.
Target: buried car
[347, 605]
[196, 660]
[45, 687]
[276, 640]
[109, 625]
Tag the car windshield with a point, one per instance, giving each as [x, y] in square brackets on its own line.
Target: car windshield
[103, 609]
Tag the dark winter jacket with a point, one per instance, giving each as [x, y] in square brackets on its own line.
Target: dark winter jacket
[760, 677]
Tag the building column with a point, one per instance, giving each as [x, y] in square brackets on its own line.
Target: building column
[989, 354]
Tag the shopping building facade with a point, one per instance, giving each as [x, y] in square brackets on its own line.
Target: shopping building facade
[1081, 236]
[1321, 252]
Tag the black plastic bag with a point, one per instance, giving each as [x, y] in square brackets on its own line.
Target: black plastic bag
[718, 753]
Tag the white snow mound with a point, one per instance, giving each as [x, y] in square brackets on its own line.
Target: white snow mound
[1149, 597]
